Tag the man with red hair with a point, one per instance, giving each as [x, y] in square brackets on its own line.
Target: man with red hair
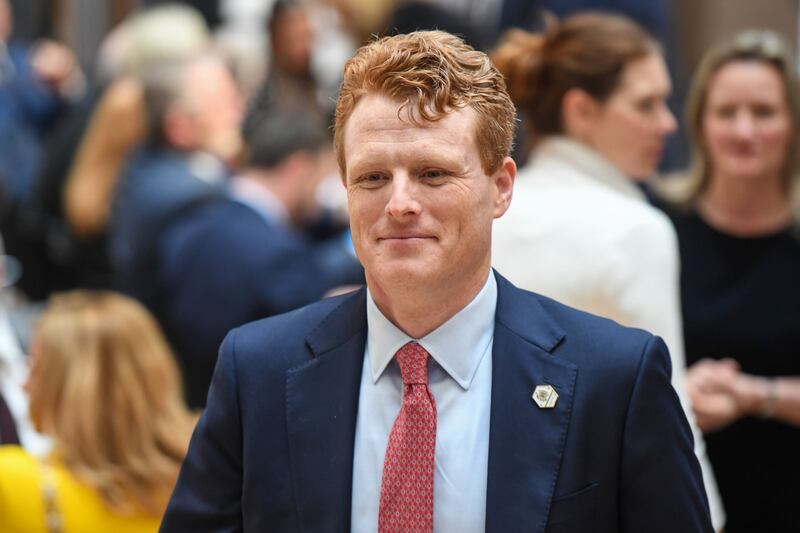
[440, 397]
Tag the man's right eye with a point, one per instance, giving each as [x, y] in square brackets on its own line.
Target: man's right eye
[371, 179]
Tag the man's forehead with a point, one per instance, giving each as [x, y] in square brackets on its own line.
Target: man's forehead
[376, 133]
[376, 114]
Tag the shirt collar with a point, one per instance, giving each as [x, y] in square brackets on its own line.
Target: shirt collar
[588, 162]
[259, 198]
[457, 346]
[207, 167]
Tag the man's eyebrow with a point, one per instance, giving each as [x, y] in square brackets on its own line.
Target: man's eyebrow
[432, 159]
[362, 162]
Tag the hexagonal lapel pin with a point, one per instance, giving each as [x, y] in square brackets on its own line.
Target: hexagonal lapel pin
[545, 396]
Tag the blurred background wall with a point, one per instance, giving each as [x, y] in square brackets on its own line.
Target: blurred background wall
[703, 22]
[82, 23]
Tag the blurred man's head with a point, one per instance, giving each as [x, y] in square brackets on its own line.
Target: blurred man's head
[289, 151]
[153, 35]
[194, 105]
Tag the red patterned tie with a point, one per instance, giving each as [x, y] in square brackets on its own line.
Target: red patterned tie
[407, 484]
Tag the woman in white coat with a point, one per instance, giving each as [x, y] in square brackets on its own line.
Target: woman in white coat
[592, 94]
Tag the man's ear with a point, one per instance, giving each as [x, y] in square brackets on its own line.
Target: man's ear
[503, 181]
[579, 112]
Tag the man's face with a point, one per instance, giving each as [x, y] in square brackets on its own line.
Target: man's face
[215, 107]
[421, 206]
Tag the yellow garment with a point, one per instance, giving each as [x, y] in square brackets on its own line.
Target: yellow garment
[80, 508]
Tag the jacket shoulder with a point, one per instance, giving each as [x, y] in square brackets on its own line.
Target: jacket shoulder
[574, 335]
[285, 337]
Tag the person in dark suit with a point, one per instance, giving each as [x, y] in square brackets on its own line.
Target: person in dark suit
[194, 110]
[238, 258]
[440, 397]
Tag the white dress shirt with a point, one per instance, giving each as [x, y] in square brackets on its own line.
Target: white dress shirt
[581, 232]
[460, 378]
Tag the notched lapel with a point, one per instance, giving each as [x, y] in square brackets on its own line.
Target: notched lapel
[526, 443]
[321, 407]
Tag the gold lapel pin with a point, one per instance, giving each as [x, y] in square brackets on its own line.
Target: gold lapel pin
[545, 396]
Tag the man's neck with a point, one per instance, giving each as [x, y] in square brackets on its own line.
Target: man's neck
[420, 309]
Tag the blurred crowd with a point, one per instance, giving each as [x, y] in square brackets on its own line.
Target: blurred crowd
[185, 183]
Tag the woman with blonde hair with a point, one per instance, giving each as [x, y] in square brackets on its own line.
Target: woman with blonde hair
[592, 93]
[739, 237]
[105, 387]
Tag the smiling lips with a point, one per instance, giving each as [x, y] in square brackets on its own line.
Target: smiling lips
[405, 237]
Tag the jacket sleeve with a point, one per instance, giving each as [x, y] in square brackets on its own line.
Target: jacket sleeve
[647, 287]
[208, 494]
[661, 485]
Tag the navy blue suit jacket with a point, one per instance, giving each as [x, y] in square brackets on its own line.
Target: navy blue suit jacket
[221, 265]
[274, 449]
[204, 263]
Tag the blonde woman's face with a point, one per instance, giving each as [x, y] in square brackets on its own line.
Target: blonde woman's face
[746, 124]
[632, 125]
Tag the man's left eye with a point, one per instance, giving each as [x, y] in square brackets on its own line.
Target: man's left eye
[433, 174]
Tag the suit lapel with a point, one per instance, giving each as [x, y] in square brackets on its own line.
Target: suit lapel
[525, 443]
[321, 407]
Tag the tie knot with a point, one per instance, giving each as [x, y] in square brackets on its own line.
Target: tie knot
[413, 361]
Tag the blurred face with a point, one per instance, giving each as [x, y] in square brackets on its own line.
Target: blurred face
[421, 206]
[308, 169]
[6, 20]
[746, 124]
[214, 106]
[292, 41]
[631, 126]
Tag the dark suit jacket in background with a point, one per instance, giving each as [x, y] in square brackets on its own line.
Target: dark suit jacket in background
[222, 264]
[274, 449]
[204, 263]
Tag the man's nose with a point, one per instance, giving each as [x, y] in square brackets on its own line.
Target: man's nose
[404, 196]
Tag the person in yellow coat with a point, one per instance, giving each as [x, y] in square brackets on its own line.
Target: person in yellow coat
[105, 387]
